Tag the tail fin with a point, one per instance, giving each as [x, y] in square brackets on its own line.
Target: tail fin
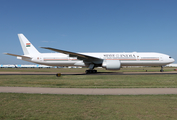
[27, 47]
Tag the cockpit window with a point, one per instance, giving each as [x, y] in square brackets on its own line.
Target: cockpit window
[169, 57]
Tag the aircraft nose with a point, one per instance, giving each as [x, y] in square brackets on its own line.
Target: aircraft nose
[173, 60]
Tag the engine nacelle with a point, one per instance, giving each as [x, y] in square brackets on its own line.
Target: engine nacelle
[111, 64]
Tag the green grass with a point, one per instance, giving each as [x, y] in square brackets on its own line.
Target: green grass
[87, 107]
[91, 81]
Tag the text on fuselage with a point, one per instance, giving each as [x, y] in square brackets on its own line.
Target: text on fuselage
[119, 56]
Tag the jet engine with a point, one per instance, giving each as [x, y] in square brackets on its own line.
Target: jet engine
[111, 64]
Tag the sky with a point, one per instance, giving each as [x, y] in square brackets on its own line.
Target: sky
[88, 26]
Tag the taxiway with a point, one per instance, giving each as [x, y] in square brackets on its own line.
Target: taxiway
[90, 91]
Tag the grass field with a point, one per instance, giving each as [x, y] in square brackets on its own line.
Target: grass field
[84, 107]
[88, 107]
[90, 81]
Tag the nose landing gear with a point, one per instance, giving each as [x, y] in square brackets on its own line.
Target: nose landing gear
[161, 69]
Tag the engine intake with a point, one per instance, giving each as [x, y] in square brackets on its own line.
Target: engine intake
[111, 64]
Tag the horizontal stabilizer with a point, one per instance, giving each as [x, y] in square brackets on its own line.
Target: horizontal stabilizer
[17, 55]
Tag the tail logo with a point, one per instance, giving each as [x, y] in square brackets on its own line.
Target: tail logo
[28, 44]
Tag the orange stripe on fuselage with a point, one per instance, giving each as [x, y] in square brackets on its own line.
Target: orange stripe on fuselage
[106, 59]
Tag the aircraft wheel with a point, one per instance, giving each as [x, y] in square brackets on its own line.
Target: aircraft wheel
[87, 72]
[94, 71]
[90, 71]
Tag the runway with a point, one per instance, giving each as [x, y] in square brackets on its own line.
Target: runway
[99, 73]
[90, 91]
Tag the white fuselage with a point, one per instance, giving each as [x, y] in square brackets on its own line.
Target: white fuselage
[126, 59]
[109, 61]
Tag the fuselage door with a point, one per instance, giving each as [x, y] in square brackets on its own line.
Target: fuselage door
[41, 58]
[160, 58]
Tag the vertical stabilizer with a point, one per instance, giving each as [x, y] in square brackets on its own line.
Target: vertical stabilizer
[27, 47]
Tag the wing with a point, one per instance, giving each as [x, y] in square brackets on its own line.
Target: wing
[72, 54]
[17, 55]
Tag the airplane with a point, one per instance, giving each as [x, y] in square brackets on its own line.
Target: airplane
[109, 61]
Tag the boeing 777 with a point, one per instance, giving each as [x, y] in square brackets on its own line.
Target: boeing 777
[109, 61]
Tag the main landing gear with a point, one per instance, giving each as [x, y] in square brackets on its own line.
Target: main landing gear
[161, 69]
[91, 69]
